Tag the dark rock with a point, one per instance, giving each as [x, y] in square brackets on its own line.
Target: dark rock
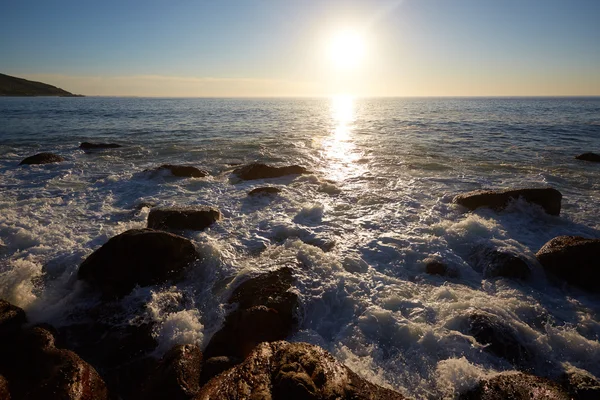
[264, 191]
[12, 319]
[581, 385]
[436, 267]
[128, 380]
[37, 369]
[177, 375]
[263, 171]
[183, 171]
[549, 199]
[197, 218]
[516, 386]
[292, 371]
[589, 157]
[501, 339]
[42, 158]
[94, 146]
[4, 389]
[574, 259]
[266, 312]
[215, 365]
[500, 263]
[136, 257]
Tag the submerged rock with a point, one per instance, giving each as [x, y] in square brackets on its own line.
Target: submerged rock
[197, 218]
[436, 267]
[574, 259]
[93, 146]
[291, 371]
[497, 263]
[501, 339]
[42, 158]
[516, 386]
[261, 191]
[265, 313]
[183, 171]
[263, 171]
[581, 385]
[549, 199]
[589, 157]
[177, 375]
[136, 257]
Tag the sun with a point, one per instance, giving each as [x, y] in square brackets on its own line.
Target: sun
[346, 49]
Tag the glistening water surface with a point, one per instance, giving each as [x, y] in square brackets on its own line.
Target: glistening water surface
[357, 230]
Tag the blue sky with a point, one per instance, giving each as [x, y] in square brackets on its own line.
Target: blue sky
[270, 47]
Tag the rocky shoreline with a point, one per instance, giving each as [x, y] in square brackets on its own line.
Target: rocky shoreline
[103, 357]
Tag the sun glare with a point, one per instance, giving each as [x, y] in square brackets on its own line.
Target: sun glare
[346, 49]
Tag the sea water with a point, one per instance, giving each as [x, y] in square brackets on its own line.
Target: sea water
[356, 230]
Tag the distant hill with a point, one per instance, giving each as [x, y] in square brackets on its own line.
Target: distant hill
[12, 86]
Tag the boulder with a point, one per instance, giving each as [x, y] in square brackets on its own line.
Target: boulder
[177, 375]
[136, 257]
[292, 371]
[215, 365]
[4, 389]
[94, 146]
[183, 171]
[42, 158]
[196, 218]
[497, 263]
[266, 312]
[262, 191]
[516, 386]
[37, 369]
[262, 171]
[12, 319]
[573, 259]
[589, 157]
[549, 199]
[581, 385]
[500, 339]
[436, 267]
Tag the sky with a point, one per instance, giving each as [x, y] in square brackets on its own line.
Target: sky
[248, 48]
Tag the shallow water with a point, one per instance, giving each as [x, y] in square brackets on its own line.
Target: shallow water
[385, 172]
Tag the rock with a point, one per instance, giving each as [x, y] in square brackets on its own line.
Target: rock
[265, 313]
[516, 386]
[42, 158]
[93, 146]
[501, 339]
[37, 369]
[4, 389]
[183, 171]
[262, 191]
[436, 267]
[549, 199]
[589, 157]
[581, 385]
[12, 319]
[263, 171]
[292, 371]
[197, 218]
[498, 263]
[136, 257]
[177, 375]
[215, 365]
[574, 259]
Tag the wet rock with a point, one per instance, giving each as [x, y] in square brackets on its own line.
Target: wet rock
[549, 199]
[516, 386]
[177, 375]
[589, 157]
[37, 369]
[436, 267]
[501, 339]
[197, 218]
[4, 389]
[266, 312]
[215, 365]
[581, 385]
[136, 257]
[291, 371]
[496, 263]
[97, 146]
[263, 171]
[183, 171]
[574, 259]
[42, 158]
[12, 319]
[264, 191]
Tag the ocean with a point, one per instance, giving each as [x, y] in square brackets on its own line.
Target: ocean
[358, 229]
